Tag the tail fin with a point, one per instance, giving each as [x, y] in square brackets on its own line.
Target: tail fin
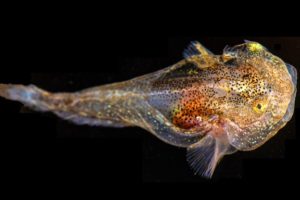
[63, 105]
[30, 96]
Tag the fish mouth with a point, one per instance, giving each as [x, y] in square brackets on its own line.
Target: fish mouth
[290, 111]
[293, 72]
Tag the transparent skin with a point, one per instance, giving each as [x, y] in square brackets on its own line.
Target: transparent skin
[212, 105]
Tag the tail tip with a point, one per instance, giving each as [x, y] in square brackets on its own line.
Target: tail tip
[16, 92]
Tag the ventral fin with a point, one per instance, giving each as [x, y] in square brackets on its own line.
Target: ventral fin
[195, 49]
[204, 155]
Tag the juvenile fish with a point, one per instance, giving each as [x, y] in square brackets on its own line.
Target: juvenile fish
[213, 105]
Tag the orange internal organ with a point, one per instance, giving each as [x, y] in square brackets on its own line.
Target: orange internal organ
[191, 111]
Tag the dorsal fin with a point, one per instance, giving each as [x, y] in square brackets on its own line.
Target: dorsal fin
[194, 49]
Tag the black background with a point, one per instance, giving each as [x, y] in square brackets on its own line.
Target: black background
[71, 56]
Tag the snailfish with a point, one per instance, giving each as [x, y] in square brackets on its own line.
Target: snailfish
[212, 105]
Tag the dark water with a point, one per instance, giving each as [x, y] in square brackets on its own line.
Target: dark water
[41, 142]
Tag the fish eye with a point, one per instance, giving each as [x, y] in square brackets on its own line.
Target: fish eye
[259, 106]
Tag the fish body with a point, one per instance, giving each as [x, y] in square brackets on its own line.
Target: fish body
[213, 105]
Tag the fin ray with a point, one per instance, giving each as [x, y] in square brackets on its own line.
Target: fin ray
[204, 155]
[195, 49]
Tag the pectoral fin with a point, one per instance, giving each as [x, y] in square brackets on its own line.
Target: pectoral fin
[204, 155]
[199, 55]
[195, 49]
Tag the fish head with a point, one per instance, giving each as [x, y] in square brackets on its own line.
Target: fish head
[262, 98]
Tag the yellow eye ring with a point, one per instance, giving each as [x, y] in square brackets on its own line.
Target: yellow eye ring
[260, 106]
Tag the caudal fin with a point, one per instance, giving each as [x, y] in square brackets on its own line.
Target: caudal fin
[28, 95]
[60, 104]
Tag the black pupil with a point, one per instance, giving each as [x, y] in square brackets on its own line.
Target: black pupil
[258, 106]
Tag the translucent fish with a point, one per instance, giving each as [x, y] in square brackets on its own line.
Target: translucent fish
[213, 105]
